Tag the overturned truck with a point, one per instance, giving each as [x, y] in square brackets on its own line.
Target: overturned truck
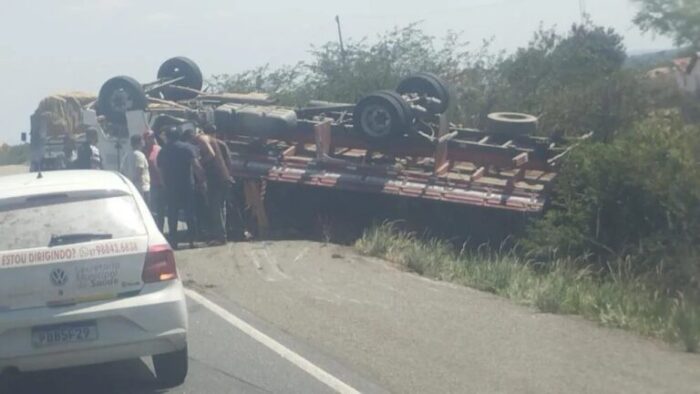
[396, 142]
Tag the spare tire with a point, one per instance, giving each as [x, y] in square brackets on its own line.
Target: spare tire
[118, 96]
[382, 116]
[427, 84]
[511, 123]
[181, 67]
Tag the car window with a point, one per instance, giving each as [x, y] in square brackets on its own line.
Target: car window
[33, 226]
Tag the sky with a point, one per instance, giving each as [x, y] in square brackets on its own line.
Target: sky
[49, 46]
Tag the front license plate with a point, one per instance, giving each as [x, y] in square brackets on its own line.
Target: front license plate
[61, 334]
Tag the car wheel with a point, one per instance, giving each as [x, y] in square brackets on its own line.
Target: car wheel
[427, 85]
[191, 78]
[511, 123]
[118, 96]
[171, 368]
[381, 116]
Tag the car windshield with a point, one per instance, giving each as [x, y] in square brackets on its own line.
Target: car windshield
[70, 222]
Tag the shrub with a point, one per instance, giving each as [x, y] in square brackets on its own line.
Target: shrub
[637, 197]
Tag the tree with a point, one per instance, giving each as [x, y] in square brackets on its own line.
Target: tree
[368, 66]
[575, 83]
[636, 197]
[679, 19]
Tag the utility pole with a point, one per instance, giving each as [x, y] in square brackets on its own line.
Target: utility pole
[340, 38]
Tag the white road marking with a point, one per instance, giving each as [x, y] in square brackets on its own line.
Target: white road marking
[306, 365]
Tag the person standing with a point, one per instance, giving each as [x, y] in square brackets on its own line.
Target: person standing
[135, 167]
[156, 202]
[89, 157]
[219, 180]
[201, 210]
[179, 166]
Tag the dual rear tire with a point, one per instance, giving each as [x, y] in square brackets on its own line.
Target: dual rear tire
[385, 115]
[382, 116]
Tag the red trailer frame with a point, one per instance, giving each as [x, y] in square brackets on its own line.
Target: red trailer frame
[461, 166]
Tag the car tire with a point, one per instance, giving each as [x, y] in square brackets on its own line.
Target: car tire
[118, 96]
[427, 84]
[171, 368]
[511, 123]
[181, 67]
[382, 116]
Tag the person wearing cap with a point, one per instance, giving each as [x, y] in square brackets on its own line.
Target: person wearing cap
[157, 200]
[89, 156]
[135, 167]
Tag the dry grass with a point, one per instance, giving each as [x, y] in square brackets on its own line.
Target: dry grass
[560, 287]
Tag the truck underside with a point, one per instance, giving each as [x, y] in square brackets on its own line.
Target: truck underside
[397, 143]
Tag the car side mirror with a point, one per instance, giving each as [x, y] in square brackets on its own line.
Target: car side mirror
[24, 137]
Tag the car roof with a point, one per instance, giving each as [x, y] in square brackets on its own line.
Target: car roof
[68, 181]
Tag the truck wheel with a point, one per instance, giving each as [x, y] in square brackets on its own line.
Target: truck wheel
[118, 96]
[382, 116]
[181, 67]
[427, 85]
[171, 368]
[511, 123]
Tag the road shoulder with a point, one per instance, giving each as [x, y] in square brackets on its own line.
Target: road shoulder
[411, 334]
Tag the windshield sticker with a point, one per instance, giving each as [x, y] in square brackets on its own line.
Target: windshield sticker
[92, 250]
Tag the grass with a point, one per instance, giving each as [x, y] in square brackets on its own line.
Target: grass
[561, 287]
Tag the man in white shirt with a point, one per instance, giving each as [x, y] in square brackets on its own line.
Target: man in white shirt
[135, 167]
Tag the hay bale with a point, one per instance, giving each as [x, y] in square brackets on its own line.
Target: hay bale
[62, 112]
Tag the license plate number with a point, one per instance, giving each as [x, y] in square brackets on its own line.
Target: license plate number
[64, 334]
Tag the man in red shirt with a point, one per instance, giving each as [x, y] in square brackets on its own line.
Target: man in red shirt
[157, 201]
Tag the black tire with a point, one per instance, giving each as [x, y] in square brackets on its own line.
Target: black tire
[118, 96]
[406, 118]
[181, 67]
[171, 368]
[382, 116]
[427, 84]
[511, 123]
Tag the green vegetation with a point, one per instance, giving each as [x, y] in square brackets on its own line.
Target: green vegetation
[679, 19]
[637, 198]
[620, 243]
[18, 154]
[617, 300]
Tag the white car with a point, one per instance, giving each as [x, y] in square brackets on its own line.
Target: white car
[86, 277]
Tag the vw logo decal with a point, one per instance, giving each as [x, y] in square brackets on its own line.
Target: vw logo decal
[59, 277]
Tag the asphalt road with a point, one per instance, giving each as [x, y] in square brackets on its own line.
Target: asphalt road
[408, 334]
[223, 359]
